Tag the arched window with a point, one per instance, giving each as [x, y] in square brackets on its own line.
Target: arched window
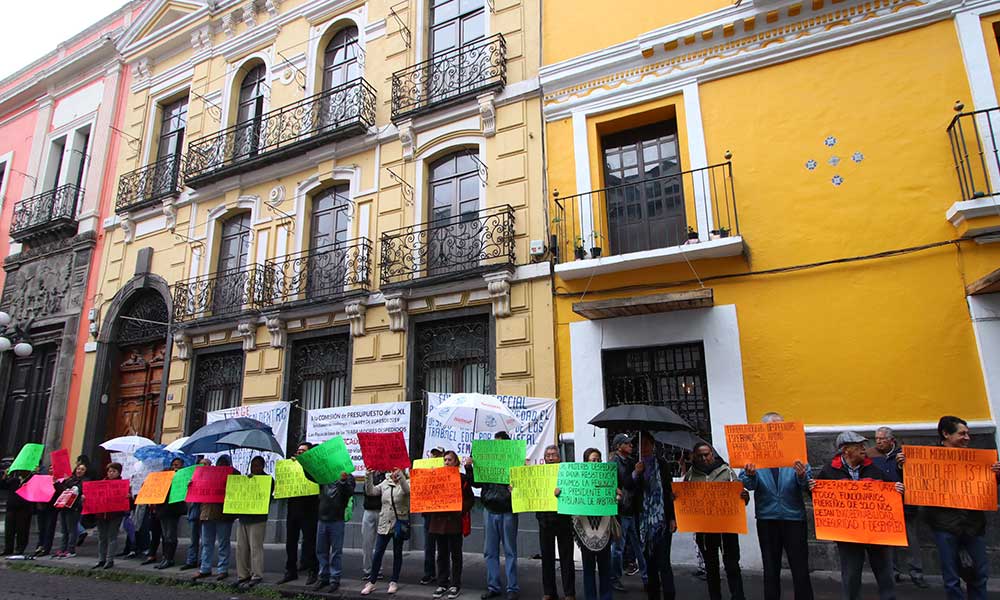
[328, 257]
[340, 59]
[234, 244]
[232, 286]
[249, 111]
[455, 23]
[455, 231]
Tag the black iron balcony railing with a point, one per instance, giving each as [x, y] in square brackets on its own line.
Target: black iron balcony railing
[474, 68]
[49, 213]
[659, 212]
[149, 185]
[218, 295]
[339, 112]
[973, 138]
[448, 249]
[320, 274]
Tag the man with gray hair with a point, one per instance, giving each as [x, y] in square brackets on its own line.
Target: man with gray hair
[886, 455]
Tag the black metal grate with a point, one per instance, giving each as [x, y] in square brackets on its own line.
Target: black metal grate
[149, 185]
[453, 355]
[319, 374]
[49, 213]
[218, 384]
[975, 149]
[222, 294]
[319, 274]
[144, 320]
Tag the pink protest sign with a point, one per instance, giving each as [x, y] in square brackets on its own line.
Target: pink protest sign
[105, 496]
[38, 489]
[384, 451]
[208, 484]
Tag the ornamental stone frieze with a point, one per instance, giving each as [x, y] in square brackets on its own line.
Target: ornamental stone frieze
[48, 280]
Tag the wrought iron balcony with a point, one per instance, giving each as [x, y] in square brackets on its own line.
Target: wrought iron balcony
[149, 185]
[471, 69]
[973, 138]
[323, 274]
[448, 249]
[337, 113]
[51, 213]
[218, 295]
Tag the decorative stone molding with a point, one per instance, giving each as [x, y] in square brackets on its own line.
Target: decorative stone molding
[407, 137]
[143, 69]
[201, 39]
[273, 7]
[229, 24]
[277, 195]
[182, 344]
[250, 14]
[248, 331]
[356, 313]
[498, 285]
[128, 228]
[276, 327]
[488, 113]
[396, 305]
[170, 212]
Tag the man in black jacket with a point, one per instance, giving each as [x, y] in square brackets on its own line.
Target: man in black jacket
[333, 499]
[628, 508]
[500, 524]
[301, 518]
[556, 530]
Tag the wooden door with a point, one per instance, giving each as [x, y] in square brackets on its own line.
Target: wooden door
[27, 406]
[136, 403]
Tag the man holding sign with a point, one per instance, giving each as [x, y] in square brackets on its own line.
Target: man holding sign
[501, 528]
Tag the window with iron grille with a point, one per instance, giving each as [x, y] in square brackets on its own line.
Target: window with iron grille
[671, 376]
[217, 384]
[453, 355]
[319, 376]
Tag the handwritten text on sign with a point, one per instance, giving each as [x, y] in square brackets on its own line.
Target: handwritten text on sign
[208, 484]
[181, 482]
[105, 496]
[588, 489]
[533, 488]
[156, 487]
[865, 512]
[290, 481]
[326, 462]
[950, 477]
[494, 458]
[247, 495]
[766, 445]
[435, 490]
[710, 507]
[384, 451]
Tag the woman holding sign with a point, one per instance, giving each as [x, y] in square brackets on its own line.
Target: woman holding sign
[446, 534]
[18, 518]
[108, 525]
[170, 516]
[594, 536]
[69, 503]
[393, 524]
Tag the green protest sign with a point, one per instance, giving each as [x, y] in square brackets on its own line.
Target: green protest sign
[327, 461]
[28, 458]
[179, 486]
[533, 488]
[493, 459]
[290, 480]
[588, 489]
[247, 495]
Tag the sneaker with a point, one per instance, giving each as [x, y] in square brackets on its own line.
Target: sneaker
[440, 592]
[631, 569]
[69, 555]
[322, 584]
[426, 579]
[393, 587]
[454, 592]
[919, 581]
[617, 586]
[99, 565]
[131, 555]
[369, 588]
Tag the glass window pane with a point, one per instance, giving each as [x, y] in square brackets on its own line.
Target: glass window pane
[443, 168]
[444, 38]
[439, 379]
[469, 189]
[474, 28]
[444, 11]
[443, 195]
[471, 5]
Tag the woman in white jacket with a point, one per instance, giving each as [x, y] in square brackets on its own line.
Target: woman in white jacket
[393, 524]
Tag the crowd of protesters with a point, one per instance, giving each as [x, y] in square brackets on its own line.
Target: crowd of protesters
[637, 541]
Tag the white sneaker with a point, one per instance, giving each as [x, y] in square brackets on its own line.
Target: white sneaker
[393, 587]
[369, 588]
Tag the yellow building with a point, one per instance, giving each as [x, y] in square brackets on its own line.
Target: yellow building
[757, 207]
[332, 202]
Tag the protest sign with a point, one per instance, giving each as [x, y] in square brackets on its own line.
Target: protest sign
[865, 512]
[60, 464]
[767, 445]
[39, 488]
[950, 477]
[384, 451]
[247, 495]
[326, 462]
[428, 463]
[348, 421]
[538, 427]
[156, 487]
[588, 489]
[27, 459]
[494, 458]
[290, 480]
[105, 496]
[533, 488]
[435, 490]
[180, 483]
[710, 507]
[208, 484]
[274, 414]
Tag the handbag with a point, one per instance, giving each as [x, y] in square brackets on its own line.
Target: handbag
[401, 528]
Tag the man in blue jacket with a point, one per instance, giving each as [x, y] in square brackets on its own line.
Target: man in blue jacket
[781, 522]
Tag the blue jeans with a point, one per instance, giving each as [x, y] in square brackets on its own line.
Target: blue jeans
[948, 547]
[630, 536]
[330, 550]
[194, 549]
[500, 528]
[381, 543]
[211, 533]
[597, 574]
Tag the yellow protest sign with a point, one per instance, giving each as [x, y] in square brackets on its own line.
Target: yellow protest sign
[428, 463]
[247, 495]
[290, 480]
[533, 488]
[156, 487]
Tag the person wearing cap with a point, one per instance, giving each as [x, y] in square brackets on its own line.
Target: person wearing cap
[629, 507]
[852, 463]
[430, 560]
[500, 524]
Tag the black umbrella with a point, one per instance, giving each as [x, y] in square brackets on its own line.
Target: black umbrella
[640, 416]
[206, 439]
[685, 440]
[252, 439]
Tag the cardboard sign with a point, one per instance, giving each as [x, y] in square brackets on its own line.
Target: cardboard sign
[247, 495]
[61, 468]
[40, 488]
[428, 463]
[326, 462]
[180, 483]
[533, 488]
[105, 496]
[950, 477]
[27, 459]
[865, 512]
[156, 487]
[435, 490]
[290, 480]
[710, 507]
[384, 451]
[588, 489]
[208, 484]
[494, 458]
[767, 445]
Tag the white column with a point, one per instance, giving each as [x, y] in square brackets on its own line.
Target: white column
[977, 67]
[985, 312]
[698, 155]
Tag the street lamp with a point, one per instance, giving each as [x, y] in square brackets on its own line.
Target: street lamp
[22, 348]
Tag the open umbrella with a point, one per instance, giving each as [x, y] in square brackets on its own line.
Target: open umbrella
[685, 440]
[206, 439]
[475, 412]
[159, 454]
[127, 443]
[253, 439]
[175, 446]
[640, 416]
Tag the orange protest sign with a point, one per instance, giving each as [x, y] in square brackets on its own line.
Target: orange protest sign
[710, 507]
[866, 512]
[156, 487]
[950, 477]
[435, 490]
[767, 445]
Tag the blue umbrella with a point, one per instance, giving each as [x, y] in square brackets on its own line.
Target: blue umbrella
[206, 439]
[159, 453]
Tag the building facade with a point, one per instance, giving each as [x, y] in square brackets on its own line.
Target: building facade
[772, 205]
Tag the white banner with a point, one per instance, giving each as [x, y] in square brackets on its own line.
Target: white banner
[538, 427]
[348, 421]
[274, 414]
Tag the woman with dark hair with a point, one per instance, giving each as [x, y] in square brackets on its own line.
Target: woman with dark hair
[108, 525]
[446, 534]
[594, 536]
[68, 504]
[47, 517]
[170, 516]
[18, 518]
[393, 524]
